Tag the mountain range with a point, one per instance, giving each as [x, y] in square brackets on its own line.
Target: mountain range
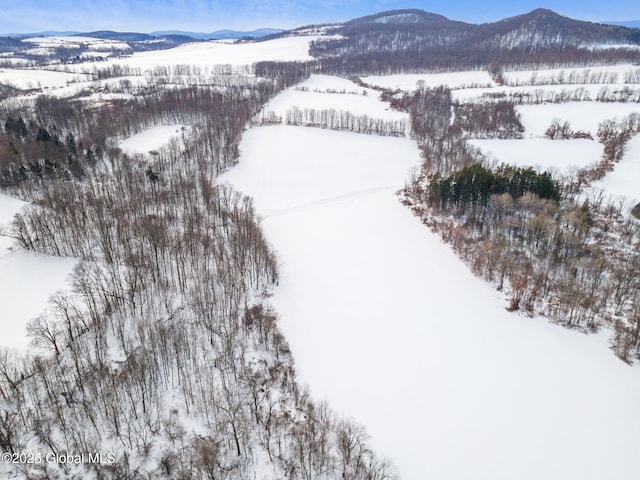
[136, 36]
[538, 19]
[412, 39]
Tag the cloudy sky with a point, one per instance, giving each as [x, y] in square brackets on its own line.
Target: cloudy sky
[21, 16]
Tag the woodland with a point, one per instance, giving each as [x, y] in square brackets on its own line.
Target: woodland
[167, 305]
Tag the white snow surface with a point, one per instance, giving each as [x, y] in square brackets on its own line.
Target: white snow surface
[623, 182]
[26, 281]
[27, 79]
[409, 82]
[542, 153]
[151, 138]
[216, 53]
[582, 116]
[541, 91]
[525, 76]
[346, 167]
[389, 326]
[321, 95]
[75, 42]
[9, 206]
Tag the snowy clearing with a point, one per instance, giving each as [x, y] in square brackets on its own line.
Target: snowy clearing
[348, 165]
[320, 93]
[541, 153]
[27, 280]
[389, 326]
[409, 82]
[582, 116]
[151, 139]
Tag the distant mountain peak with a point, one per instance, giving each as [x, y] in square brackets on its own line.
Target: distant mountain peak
[117, 36]
[405, 17]
[544, 11]
[539, 14]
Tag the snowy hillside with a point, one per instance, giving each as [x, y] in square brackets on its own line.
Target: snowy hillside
[223, 53]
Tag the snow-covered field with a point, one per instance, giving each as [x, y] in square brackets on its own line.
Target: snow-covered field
[26, 281]
[615, 73]
[320, 92]
[543, 92]
[409, 82]
[220, 53]
[151, 138]
[76, 41]
[562, 156]
[201, 54]
[543, 154]
[583, 116]
[347, 167]
[392, 329]
[28, 79]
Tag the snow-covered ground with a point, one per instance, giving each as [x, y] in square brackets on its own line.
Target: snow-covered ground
[409, 82]
[151, 139]
[543, 92]
[543, 154]
[582, 116]
[217, 53]
[321, 92]
[383, 320]
[387, 324]
[9, 206]
[348, 166]
[26, 281]
[76, 42]
[579, 74]
[201, 54]
[28, 79]
[624, 181]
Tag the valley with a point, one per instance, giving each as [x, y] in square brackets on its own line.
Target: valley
[229, 260]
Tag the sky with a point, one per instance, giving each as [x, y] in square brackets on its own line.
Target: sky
[30, 16]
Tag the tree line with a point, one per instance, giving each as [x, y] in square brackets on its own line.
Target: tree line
[552, 251]
[342, 120]
[167, 324]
